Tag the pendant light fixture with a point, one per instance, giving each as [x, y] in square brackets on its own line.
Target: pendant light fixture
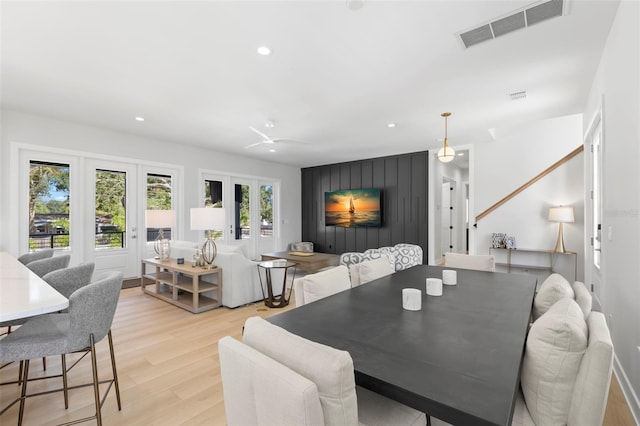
[446, 153]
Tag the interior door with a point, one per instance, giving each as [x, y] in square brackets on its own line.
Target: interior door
[594, 251]
[111, 224]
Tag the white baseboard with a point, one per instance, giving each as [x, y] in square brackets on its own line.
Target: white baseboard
[632, 399]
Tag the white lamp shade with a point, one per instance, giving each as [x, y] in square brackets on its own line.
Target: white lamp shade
[561, 214]
[446, 154]
[207, 218]
[160, 218]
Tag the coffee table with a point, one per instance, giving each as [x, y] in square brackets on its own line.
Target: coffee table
[308, 262]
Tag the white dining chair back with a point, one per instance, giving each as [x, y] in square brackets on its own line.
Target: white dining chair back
[588, 377]
[276, 377]
[312, 287]
[466, 261]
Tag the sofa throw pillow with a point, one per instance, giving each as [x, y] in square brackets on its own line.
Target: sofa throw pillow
[583, 298]
[325, 283]
[555, 346]
[374, 269]
[329, 368]
[554, 288]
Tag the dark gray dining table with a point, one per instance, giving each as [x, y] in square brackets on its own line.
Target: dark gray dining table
[457, 359]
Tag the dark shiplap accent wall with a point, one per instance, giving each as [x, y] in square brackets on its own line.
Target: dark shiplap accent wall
[403, 183]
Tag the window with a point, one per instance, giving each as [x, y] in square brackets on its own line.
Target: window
[159, 190]
[111, 209]
[49, 223]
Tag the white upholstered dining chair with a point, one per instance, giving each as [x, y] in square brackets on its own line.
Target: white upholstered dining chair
[369, 270]
[275, 377]
[466, 261]
[310, 288]
[566, 369]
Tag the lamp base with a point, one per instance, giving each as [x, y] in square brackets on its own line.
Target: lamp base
[560, 243]
[209, 251]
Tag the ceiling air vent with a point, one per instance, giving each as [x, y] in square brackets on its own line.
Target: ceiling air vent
[514, 96]
[522, 18]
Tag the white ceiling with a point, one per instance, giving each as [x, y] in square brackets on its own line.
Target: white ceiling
[335, 78]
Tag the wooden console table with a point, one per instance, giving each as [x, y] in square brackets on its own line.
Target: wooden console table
[180, 284]
[522, 259]
[309, 262]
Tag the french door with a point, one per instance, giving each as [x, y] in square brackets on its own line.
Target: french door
[251, 210]
[111, 229]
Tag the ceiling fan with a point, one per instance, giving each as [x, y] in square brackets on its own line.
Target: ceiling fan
[269, 140]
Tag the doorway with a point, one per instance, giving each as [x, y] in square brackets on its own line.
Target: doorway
[111, 203]
[451, 205]
[447, 219]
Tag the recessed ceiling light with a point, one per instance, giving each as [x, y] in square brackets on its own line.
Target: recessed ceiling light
[391, 125]
[264, 50]
[269, 125]
[139, 119]
[272, 150]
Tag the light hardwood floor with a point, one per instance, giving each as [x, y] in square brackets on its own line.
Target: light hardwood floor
[168, 369]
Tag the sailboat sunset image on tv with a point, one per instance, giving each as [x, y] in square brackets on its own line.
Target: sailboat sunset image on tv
[352, 208]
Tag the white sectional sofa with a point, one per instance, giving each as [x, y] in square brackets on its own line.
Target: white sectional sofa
[240, 282]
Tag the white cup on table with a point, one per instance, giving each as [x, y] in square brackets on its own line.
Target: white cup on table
[434, 286]
[411, 299]
[449, 277]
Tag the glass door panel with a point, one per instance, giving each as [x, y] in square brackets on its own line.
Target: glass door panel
[110, 209]
[111, 221]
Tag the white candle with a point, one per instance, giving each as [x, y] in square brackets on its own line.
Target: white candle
[449, 277]
[434, 286]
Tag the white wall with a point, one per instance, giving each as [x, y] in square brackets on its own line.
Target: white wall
[512, 160]
[38, 130]
[617, 86]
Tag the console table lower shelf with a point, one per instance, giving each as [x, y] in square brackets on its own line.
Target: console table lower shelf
[181, 284]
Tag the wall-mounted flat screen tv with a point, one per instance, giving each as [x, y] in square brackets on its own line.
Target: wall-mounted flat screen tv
[352, 208]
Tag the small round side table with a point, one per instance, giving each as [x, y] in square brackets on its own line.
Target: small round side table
[282, 266]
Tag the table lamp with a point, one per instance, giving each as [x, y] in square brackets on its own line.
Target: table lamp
[561, 214]
[208, 219]
[159, 219]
